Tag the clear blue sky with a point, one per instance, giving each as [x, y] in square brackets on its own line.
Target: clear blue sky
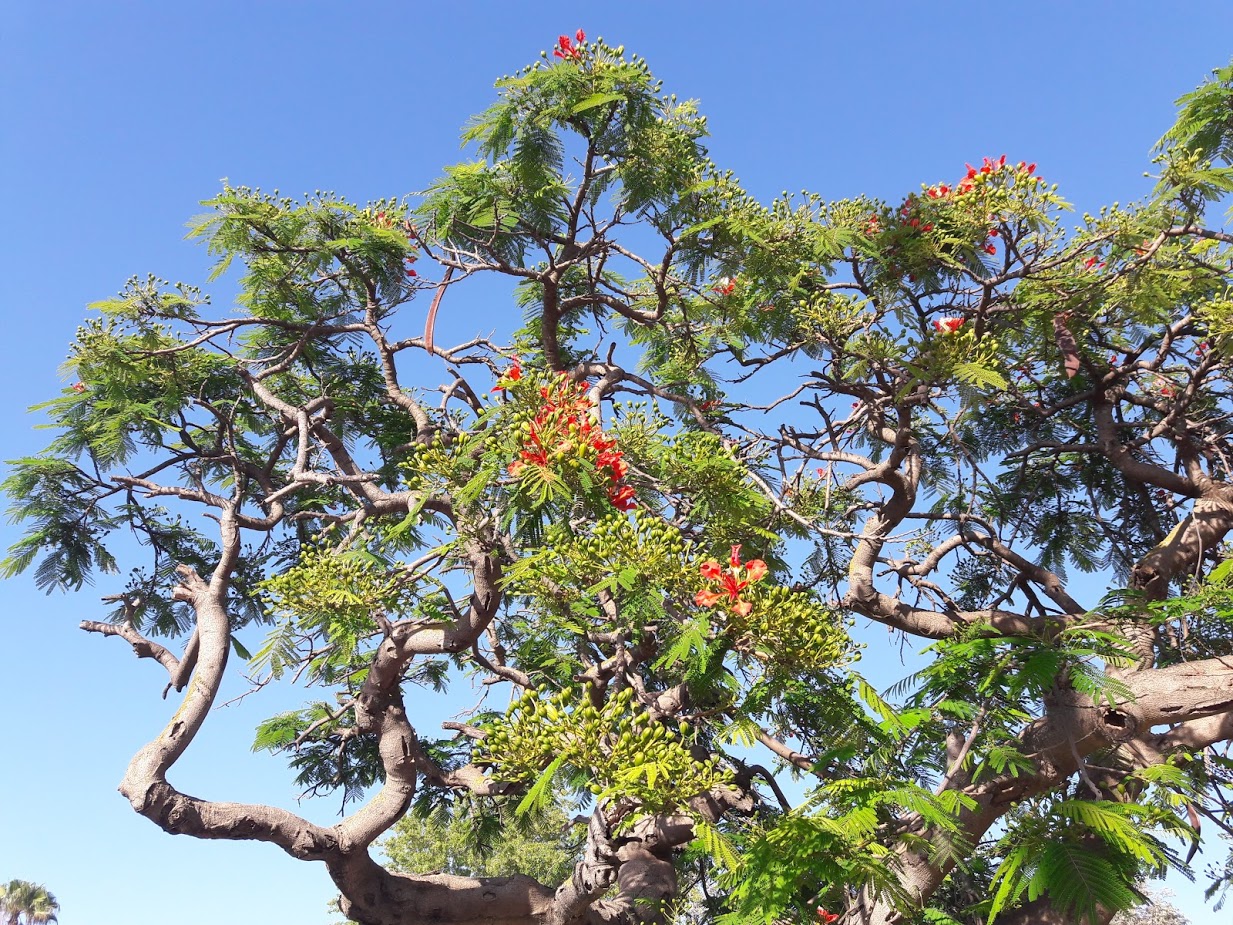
[119, 117]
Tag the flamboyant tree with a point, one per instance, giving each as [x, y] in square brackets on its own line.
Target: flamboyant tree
[647, 520]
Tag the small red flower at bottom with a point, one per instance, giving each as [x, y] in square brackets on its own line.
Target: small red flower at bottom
[827, 917]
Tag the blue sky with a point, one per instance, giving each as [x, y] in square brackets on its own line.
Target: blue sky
[119, 117]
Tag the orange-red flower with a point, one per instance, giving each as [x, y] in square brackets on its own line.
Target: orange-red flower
[826, 917]
[732, 581]
[948, 325]
[79, 387]
[622, 498]
[513, 374]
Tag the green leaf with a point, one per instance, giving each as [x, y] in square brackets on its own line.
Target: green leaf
[597, 99]
[537, 797]
[980, 376]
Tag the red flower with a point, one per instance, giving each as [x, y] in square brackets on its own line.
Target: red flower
[755, 570]
[725, 286]
[742, 608]
[565, 49]
[79, 387]
[948, 325]
[513, 374]
[1092, 264]
[580, 36]
[711, 570]
[706, 598]
[736, 556]
[622, 498]
[991, 249]
[827, 917]
[411, 272]
[732, 586]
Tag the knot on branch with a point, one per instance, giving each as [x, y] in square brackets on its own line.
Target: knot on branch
[191, 584]
[1118, 726]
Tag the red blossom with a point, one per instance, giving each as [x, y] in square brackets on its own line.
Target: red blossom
[991, 249]
[755, 569]
[513, 374]
[948, 325]
[732, 586]
[742, 608]
[711, 570]
[826, 917]
[706, 598]
[622, 498]
[725, 286]
[736, 556]
[565, 49]
[79, 387]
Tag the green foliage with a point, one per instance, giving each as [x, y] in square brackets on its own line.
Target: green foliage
[928, 412]
[617, 750]
[1052, 850]
[480, 838]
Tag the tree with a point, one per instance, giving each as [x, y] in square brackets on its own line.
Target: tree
[1159, 911]
[24, 902]
[725, 432]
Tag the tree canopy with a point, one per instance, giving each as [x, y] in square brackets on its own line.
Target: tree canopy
[654, 518]
[26, 903]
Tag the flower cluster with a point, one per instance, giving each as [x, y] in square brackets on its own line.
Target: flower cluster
[725, 286]
[566, 50]
[732, 581]
[948, 325]
[911, 215]
[564, 433]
